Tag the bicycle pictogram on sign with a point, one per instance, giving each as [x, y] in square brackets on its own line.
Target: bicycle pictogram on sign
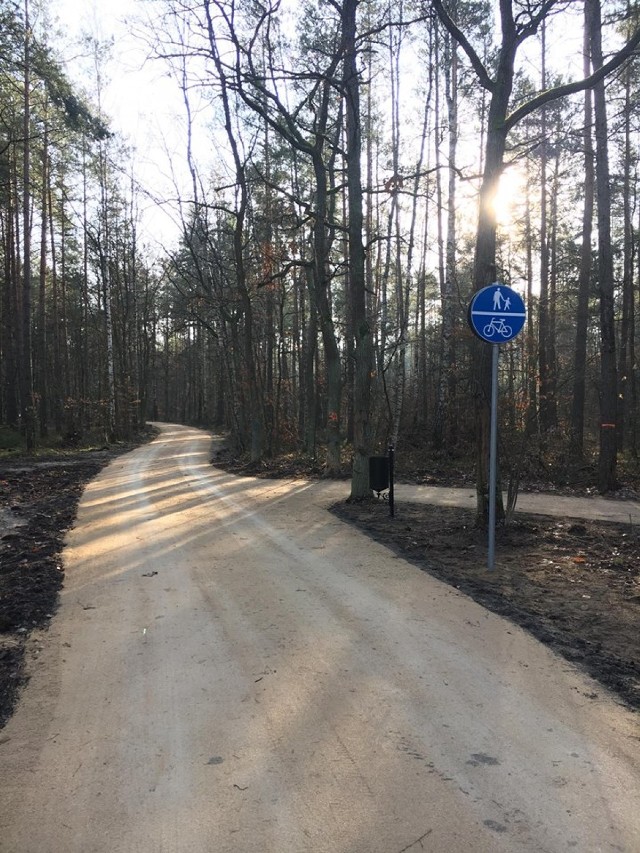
[497, 327]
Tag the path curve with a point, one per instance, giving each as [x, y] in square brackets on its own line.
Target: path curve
[234, 670]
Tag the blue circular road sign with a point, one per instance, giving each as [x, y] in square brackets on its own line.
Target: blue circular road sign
[497, 313]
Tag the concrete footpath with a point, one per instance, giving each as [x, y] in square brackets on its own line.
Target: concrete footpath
[595, 508]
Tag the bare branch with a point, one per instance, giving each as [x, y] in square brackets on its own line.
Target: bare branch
[629, 51]
[453, 29]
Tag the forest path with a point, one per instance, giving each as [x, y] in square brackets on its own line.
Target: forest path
[233, 669]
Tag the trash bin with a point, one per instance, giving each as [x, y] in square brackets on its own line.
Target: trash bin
[378, 473]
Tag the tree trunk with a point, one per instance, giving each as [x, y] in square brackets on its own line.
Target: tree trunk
[11, 312]
[544, 332]
[307, 369]
[443, 284]
[449, 426]
[608, 372]
[60, 374]
[626, 326]
[586, 262]
[40, 354]
[531, 426]
[552, 360]
[25, 370]
[321, 295]
[361, 322]
[485, 274]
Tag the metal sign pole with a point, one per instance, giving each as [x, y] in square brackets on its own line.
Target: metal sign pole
[493, 456]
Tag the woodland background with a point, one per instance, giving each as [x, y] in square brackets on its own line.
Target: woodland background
[314, 301]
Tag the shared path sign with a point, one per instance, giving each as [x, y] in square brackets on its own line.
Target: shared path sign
[497, 313]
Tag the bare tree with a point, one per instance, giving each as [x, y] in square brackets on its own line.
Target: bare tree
[515, 30]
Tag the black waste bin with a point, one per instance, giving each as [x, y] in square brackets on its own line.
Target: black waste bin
[378, 473]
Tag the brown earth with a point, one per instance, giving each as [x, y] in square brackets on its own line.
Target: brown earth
[575, 585]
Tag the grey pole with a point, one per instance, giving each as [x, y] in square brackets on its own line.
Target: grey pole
[493, 453]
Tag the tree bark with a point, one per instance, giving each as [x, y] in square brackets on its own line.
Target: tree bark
[608, 371]
[27, 405]
[627, 323]
[544, 331]
[40, 354]
[485, 266]
[361, 322]
[586, 264]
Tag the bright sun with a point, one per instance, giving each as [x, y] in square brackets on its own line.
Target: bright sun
[510, 193]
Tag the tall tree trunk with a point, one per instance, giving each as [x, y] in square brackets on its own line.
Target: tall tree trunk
[401, 286]
[422, 370]
[40, 354]
[632, 408]
[11, 312]
[60, 375]
[321, 295]
[544, 332]
[450, 282]
[105, 267]
[626, 326]
[586, 263]
[369, 216]
[531, 425]
[608, 371]
[26, 376]
[309, 415]
[361, 321]
[416, 281]
[438, 421]
[485, 273]
[271, 413]
[552, 360]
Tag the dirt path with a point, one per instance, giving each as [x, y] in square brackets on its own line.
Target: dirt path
[234, 669]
